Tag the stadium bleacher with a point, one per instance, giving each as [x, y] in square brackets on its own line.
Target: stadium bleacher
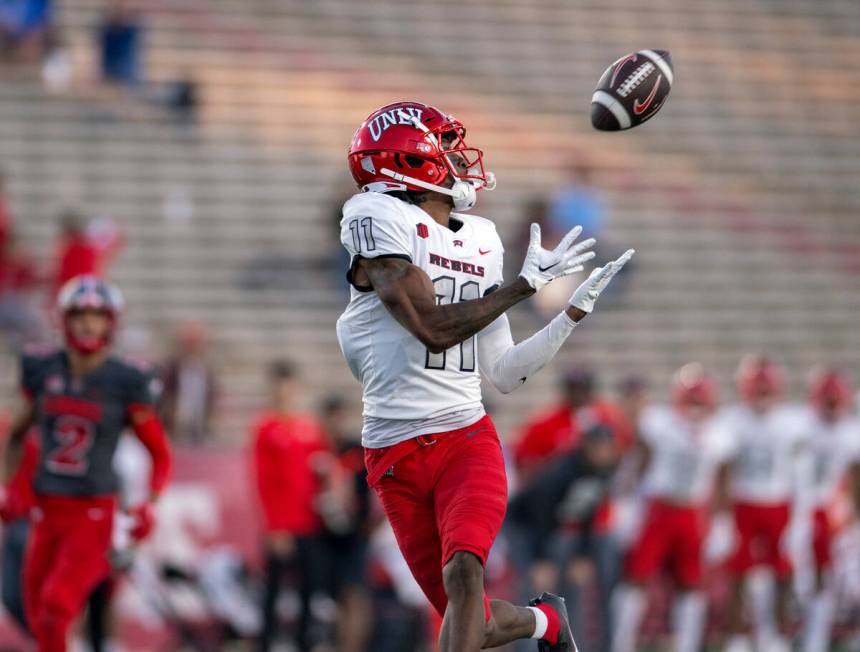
[741, 198]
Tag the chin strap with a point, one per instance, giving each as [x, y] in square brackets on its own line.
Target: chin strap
[464, 192]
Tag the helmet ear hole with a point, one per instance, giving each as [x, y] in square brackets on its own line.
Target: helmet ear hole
[414, 161]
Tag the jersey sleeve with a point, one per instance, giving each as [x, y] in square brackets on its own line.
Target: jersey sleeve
[497, 276]
[721, 428]
[31, 375]
[143, 388]
[651, 422]
[373, 227]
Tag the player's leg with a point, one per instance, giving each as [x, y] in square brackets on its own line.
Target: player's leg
[12, 571]
[355, 611]
[739, 566]
[99, 614]
[820, 610]
[80, 562]
[643, 561]
[471, 622]
[689, 607]
[776, 524]
[38, 561]
[407, 499]
[469, 508]
[276, 567]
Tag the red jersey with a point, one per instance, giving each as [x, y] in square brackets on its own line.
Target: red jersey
[561, 428]
[287, 482]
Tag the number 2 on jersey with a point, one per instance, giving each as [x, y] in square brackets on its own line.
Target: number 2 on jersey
[75, 438]
[446, 289]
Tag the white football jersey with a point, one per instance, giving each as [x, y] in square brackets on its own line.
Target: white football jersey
[409, 391]
[767, 449]
[832, 449]
[685, 456]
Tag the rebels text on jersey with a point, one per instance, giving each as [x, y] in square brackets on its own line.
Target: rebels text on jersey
[401, 379]
[80, 421]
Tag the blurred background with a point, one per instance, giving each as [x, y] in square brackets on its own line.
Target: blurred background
[194, 151]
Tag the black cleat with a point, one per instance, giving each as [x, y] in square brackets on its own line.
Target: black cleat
[565, 637]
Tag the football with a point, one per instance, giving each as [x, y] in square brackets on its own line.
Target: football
[632, 90]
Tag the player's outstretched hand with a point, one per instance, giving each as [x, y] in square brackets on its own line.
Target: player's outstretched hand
[586, 294]
[542, 265]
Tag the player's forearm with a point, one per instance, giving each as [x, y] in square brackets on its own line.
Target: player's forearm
[448, 325]
[13, 451]
[575, 313]
[508, 365]
[150, 431]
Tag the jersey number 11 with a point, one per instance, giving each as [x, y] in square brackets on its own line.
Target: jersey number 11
[446, 290]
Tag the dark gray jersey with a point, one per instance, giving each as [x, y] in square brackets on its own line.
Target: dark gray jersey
[80, 421]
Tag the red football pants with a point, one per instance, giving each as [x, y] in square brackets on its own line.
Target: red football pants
[67, 556]
[671, 534]
[760, 529]
[443, 494]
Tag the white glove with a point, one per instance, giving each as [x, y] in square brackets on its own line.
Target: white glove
[586, 294]
[541, 265]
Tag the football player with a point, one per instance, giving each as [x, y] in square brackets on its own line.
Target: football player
[833, 454]
[425, 320]
[80, 398]
[684, 470]
[768, 438]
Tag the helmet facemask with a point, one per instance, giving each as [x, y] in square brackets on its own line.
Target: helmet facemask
[88, 293]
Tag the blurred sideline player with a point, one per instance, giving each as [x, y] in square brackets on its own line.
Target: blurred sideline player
[81, 398]
[344, 504]
[833, 456]
[286, 442]
[684, 466]
[559, 429]
[426, 313]
[768, 438]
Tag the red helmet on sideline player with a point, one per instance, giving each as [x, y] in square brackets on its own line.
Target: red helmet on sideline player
[89, 293]
[693, 388]
[414, 146]
[830, 391]
[758, 377]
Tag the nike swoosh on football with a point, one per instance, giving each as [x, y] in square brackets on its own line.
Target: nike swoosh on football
[484, 253]
[543, 269]
[638, 109]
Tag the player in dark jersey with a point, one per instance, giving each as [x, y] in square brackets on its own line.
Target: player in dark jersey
[81, 399]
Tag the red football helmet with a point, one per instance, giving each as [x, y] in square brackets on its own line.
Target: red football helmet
[413, 146]
[692, 387]
[830, 390]
[759, 377]
[89, 293]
